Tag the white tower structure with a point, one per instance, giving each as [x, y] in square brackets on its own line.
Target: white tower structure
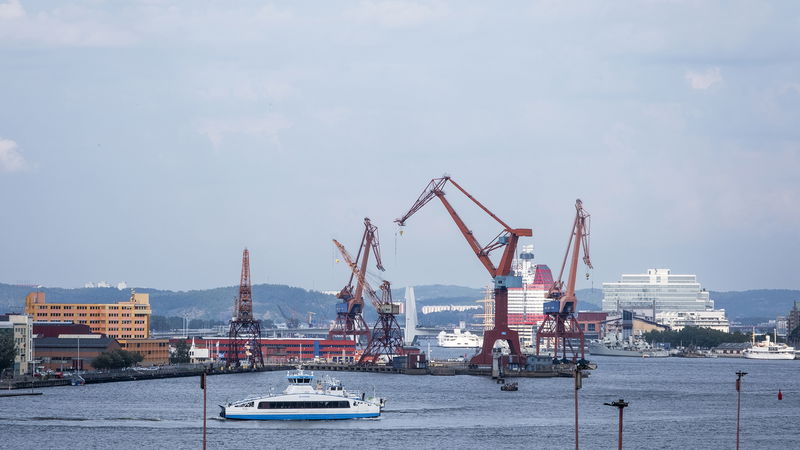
[411, 316]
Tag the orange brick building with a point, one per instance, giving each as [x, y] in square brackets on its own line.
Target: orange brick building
[154, 351]
[121, 320]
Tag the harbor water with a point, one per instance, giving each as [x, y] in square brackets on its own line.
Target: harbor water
[675, 403]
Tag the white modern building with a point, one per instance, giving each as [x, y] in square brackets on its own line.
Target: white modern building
[21, 327]
[669, 299]
[656, 291]
[678, 320]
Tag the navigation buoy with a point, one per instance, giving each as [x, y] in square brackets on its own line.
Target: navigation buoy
[780, 395]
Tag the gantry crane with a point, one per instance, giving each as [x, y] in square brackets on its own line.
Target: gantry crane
[244, 332]
[501, 274]
[560, 322]
[386, 338]
[350, 322]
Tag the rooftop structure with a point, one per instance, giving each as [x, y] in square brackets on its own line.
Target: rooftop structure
[656, 291]
[126, 320]
[678, 320]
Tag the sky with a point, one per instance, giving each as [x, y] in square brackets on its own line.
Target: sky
[150, 142]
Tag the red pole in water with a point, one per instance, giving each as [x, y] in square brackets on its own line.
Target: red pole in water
[621, 404]
[780, 395]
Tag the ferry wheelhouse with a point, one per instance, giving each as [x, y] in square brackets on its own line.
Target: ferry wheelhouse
[306, 399]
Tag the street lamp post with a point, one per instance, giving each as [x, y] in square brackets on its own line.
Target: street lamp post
[739, 376]
[620, 404]
[579, 368]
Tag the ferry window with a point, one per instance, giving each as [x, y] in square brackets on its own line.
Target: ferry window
[262, 405]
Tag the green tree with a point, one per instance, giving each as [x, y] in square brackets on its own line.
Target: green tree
[181, 353]
[794, 337]
[699, 337]
[116, 359]
[7, 349]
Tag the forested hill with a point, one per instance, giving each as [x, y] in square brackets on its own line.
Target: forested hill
[269, 299]
[217, 303]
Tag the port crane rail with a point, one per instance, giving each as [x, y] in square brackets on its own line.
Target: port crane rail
[350, 321]
[386, 338]
[560, 323]
[501, 274]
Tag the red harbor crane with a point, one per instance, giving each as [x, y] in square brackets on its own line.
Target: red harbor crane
[245, 331]
[560, 323]
[501, 274]
[350, 322]
[386, 338]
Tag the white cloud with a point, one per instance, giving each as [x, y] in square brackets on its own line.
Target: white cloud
[10, 158]
[67, 26]
[267, 126]
[704, 80]
[396, 13]
[11, 10]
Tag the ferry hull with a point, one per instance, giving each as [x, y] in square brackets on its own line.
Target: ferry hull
[770, 356]
[305, 416]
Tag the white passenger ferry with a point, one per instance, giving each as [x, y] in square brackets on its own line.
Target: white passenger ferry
[459, 339]
[306, 399]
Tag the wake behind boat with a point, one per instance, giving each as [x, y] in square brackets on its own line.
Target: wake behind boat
[305, 399]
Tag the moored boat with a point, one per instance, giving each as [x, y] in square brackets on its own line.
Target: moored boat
[768, 350]
[306, 399]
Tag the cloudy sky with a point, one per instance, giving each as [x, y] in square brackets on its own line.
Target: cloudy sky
[151, 141]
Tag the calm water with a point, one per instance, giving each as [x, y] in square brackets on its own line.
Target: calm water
[674, 403]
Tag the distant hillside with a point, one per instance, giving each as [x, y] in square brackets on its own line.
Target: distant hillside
[214, 303]
[217, 303]
[766, 303]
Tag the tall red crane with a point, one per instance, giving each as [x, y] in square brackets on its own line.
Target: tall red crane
[386, 338]
[245, 331]
[350, 322]
[560, 323]
[501, 274]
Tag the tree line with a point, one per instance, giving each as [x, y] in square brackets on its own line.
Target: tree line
[696, 336]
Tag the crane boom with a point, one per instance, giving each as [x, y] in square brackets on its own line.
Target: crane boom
[360, 278]
[508, 237]
[579, 236]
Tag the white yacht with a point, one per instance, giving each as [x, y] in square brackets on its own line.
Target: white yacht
[306, 399]
[459, 339]
[768, 350]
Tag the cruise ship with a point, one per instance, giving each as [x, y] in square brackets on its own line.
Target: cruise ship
[768, 350]
[459, 339]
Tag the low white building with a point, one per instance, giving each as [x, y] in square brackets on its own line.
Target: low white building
[678, 320]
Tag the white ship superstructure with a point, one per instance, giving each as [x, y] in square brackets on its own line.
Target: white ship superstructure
[459, 339]
[768, 350]
[526, 303]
